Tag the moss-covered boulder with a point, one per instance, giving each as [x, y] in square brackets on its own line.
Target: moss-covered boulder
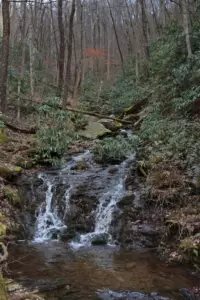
[110, 124]
[94, 130]
[12, 195]
[3, 138]
[8, 170]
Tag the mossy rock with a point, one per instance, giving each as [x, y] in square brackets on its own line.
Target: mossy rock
[12, 195]
[80, 166]
[94, 130]
[3, 138]
[110, 124]
[7, 170]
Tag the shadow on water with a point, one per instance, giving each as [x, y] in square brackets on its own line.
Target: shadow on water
[51, 266]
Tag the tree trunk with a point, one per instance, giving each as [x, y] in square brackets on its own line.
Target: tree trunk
[61, 55]
[31, 58]
[21, 73]
[116, 35]
[144, 29]
[5, 54]
[185, 13]
[69, 57]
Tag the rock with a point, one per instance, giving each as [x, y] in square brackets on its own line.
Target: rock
[127, 200]
[67, 234]
[13, 287]
[191, 294]
[12, 196]
[94, 130]
[107, 294]
[99, 239]
[80, 166]
[110, 124]
[8, 171]
[50, 285]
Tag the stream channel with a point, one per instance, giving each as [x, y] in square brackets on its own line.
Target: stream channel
[73, 250]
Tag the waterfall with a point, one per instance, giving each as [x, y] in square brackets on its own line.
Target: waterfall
[109, 200]
[106, 207]
[50, 223]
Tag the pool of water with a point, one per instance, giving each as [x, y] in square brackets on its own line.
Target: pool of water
[87, 270]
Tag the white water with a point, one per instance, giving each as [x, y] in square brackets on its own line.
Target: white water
[49, 224]
[106, 208]
[48, 221]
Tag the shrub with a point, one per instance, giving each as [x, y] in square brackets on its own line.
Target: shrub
[56, 132]
[114, 150]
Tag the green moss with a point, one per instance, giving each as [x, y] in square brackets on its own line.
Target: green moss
[190, 249]
[7, 170]
[3, 138]
[17, 169]
[12, 196]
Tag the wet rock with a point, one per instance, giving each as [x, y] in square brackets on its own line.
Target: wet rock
[191, 294]
[43, 286]
[67, 234]
[80, 166]
[110, 124]
[127, 295]
[99, 239]
[128, 199]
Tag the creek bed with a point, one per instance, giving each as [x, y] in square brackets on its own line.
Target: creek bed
[62, 273]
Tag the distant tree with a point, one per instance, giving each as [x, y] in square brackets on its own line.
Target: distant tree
[5, 54]
[69, 56]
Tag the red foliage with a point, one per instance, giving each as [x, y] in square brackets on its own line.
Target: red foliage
[97, 53]
[100, 54]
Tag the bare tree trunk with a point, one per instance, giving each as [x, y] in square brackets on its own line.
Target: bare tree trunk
[116, 35]
[69, 57]
[137, 58]
[155, 17]
[185, 13]
[108, 58]
[31, 56]
[162, 8]
[145, 29]
[5, 54]
[21, 73]
[61, 55]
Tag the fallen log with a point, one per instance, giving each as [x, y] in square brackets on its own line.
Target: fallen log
[16, 127]
[94, 114]
[100, 116]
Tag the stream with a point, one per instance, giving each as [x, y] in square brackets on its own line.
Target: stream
[80, 221]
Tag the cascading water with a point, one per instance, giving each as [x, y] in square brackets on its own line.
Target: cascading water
[50, 222]
[106, 207]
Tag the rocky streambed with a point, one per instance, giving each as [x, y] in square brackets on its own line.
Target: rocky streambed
[90, 236]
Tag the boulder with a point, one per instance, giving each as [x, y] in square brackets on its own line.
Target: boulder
[127, 200]
[94, 130]
[99, 239]
[12, 196]
[110, 124]
[8, 171]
